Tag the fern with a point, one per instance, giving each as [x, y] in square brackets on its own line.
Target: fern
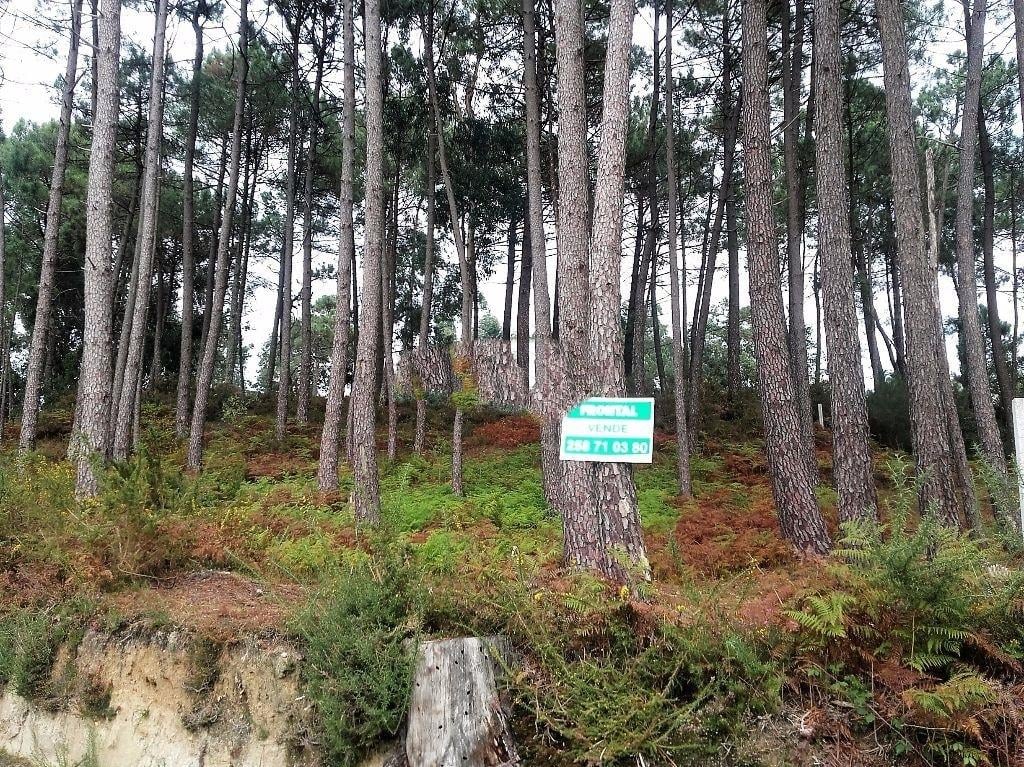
[824, 615]
[961, 694]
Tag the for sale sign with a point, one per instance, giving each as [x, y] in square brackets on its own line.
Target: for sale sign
[610, 429]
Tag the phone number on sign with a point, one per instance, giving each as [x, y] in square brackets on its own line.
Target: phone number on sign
[608, 446]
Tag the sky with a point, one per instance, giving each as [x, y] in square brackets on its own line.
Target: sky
[33, 53]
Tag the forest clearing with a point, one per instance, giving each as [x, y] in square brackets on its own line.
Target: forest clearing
[463, 383]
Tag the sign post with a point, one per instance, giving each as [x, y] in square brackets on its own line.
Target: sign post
[609, 429]
[1018, 444]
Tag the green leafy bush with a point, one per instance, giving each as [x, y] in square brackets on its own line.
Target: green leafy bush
[358, 665]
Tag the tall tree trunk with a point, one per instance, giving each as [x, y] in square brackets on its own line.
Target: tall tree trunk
[523, 301]
[929, 431]
[48, 265]
[678, 322]
[91, 441]
[465, 352]
[124, 399]
[793, 64]
[730, 108]
[510, 279]
[388, 313]
[5, 356]
[428, 295]
[240, 267]
[637, 324]
[188, 226]
[545, 348]
[864, 283]
[995, 326]
[208, 360]
[967, 281]
[366, 496]
[732, 341]
[211, 256]
[306, 358]
[792, 482]
[622, 552]
[659, 354]
[330, 439]
[852, 454]
[285, 333]
[583, 544]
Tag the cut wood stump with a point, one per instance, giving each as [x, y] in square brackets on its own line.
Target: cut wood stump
[456, 717]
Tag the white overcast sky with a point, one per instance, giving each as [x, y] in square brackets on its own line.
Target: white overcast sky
[33, 54]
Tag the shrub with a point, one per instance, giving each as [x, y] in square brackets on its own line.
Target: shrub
[358, 668]
[922, 617]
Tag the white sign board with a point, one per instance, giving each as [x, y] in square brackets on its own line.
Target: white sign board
[1018, 444]
[611, 429]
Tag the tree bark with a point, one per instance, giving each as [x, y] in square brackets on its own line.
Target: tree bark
[510, 279]
[306, 357]
[204, 379]
[366, 495]
[967, 281]
[929, 431]
[330, 439]
[48, 265]
[465, 278]
[428, 293]
[523, 301]
[545, 348]
[188, 225]
[285, 333]
[678, 324]
[732, 341]
[91, 442]
[792, 482]
[730, 108]
[124, 399]
[792, 44]
[851, 451]
[995, 325]
[622, 552]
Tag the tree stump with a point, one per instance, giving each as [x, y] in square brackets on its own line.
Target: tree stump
[456, 718]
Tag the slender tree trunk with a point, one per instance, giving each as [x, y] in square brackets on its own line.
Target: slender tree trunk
[967, 281]
[5, 355]
[732, 342]
[204, 378]
[929, 430]
[659, 354]
[330, 440]
[465, 352]
[240, 261]
[637, 324]
[188, 225]
[792, 482]
[995, 325]
[523, 301]
[285, 333]
[678, 323]
[211, 256]
[91, 441]
[731, 111]
[124, 399]
[428, 296]
[546, 350]
[366, 496]
[48, 265]
[306, 358]
[792, 43]
[852, 454]
[388, 315]
[510, 279]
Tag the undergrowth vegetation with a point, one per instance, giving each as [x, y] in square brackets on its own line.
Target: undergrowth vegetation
[906, 646]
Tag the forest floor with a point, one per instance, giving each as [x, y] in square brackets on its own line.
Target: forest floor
[739, 652]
